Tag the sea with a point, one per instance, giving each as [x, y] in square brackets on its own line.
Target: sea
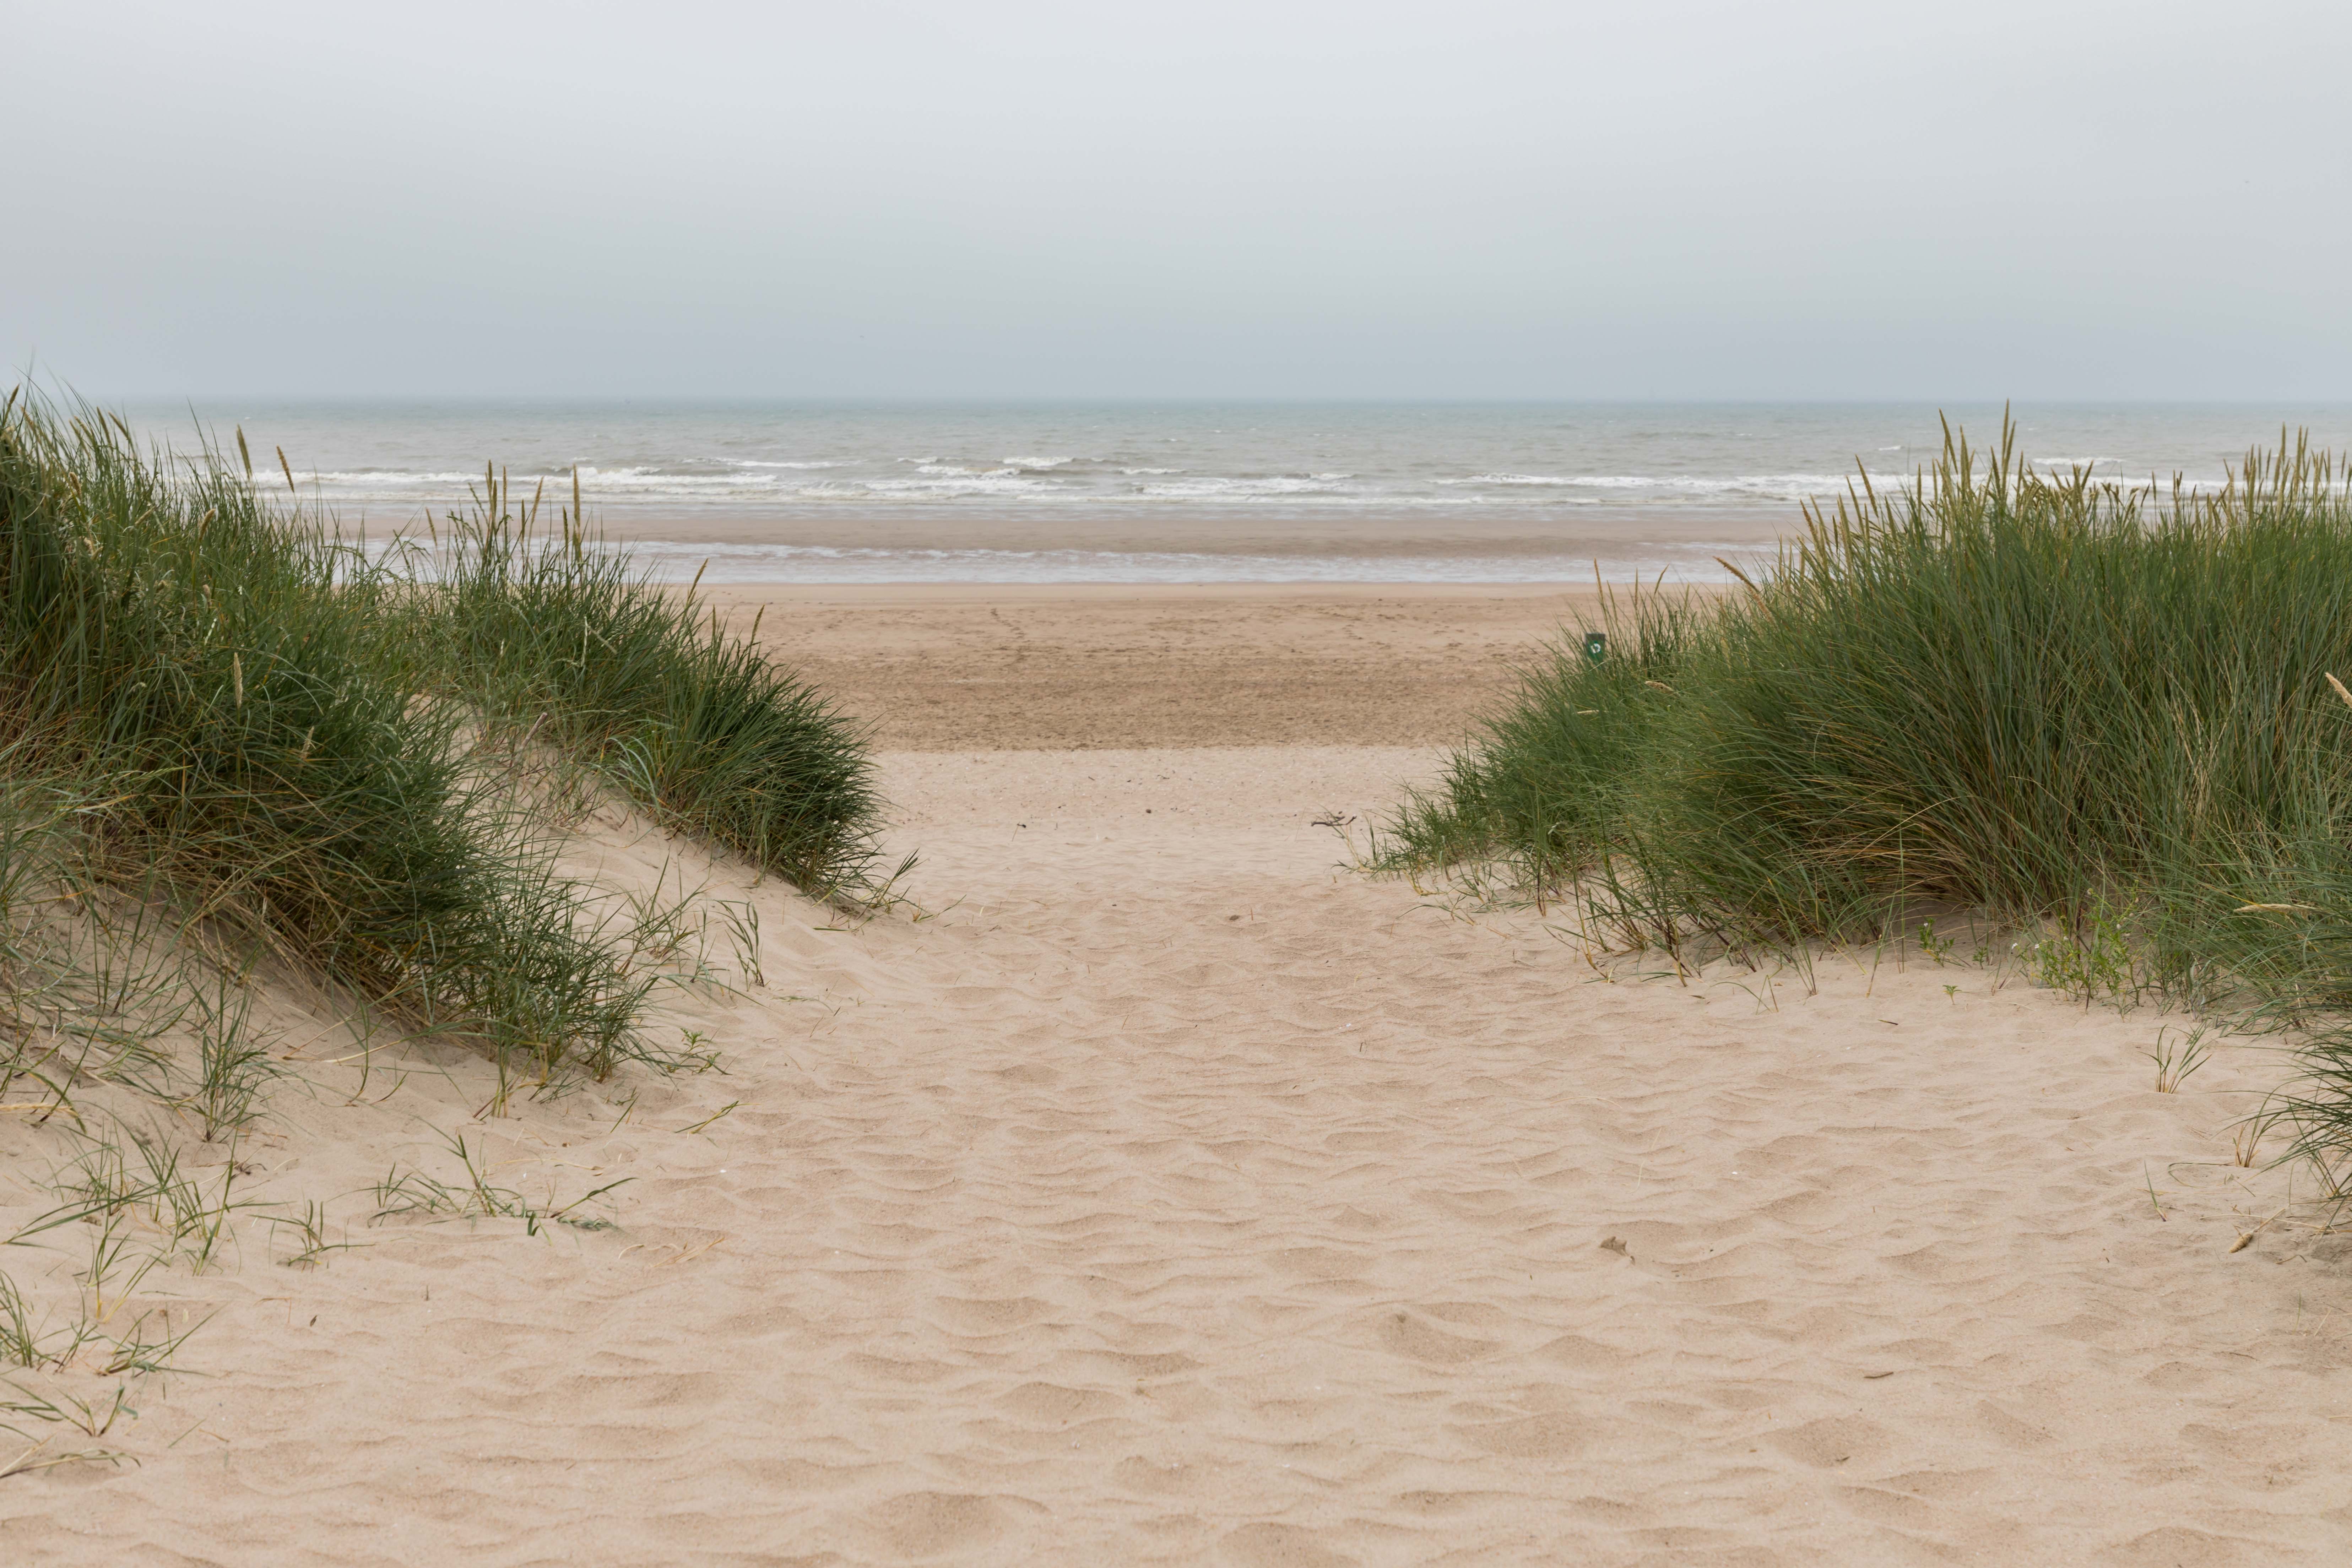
[1186, 491]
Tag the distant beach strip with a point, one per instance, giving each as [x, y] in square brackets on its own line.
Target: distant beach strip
[673, 561]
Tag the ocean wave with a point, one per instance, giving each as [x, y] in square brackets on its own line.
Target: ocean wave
[942, 482]
[402, 478]
[657, 482]
[1074, 482]
[1222, 488]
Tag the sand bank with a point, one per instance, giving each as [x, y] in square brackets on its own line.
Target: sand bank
[1168, 1192]
[1077, 665]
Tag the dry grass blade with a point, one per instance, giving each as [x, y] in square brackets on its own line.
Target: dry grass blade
[31, 1459]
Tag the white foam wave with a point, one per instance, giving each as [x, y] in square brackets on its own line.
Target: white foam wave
[1220, 488]
[658, 479]
[938, 481]
[387, 478]
[1072, 482]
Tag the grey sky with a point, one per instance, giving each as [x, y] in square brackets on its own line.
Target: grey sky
[1014, 197]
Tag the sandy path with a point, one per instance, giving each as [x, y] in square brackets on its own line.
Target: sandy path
[1173, 1197]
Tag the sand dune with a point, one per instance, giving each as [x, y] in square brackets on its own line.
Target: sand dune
[1168, 1193]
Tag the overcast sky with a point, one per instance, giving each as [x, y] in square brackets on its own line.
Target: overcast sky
[1457, 198]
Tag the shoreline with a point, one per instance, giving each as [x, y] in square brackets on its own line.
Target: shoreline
[1372, 533]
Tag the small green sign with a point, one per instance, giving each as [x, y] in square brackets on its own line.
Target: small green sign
[1596, 646]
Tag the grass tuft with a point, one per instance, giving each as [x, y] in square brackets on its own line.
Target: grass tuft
[226, 730]
[225, 680]
[550, 634]
[2105, 716]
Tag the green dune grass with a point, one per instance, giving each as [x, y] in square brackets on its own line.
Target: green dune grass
[214, 704]
[2102, 715]
[559, 638]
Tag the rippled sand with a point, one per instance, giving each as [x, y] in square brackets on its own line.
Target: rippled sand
[1170, 1194]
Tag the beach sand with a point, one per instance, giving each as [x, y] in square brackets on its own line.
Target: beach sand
[1085, 664]
[1154, 1188]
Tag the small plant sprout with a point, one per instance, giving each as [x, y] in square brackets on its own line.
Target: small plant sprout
[115, 1270]
[307, 1231]
[2176, 1061]
[743, 926]
[136, 1351]
[233, 1064]
[1935, 947]
[570, 1213]
[21, 1338]
[95, 1417]
[657, 928]
[415, 1193]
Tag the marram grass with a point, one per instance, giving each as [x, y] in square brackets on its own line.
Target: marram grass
[550, 633]
[2098, 713]
[220, 674]
[212, 701]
